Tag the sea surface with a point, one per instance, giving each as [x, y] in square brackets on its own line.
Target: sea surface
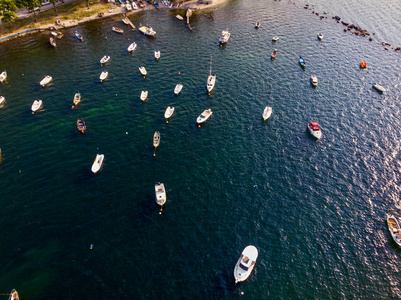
[316, 211]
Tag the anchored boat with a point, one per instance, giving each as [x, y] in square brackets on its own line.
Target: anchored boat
[97, 163]
[314, 130]
[169, 113]
[211, 79]
[394, 228]
[160, 192]
[267, 112]
[36, 105]
[245, 263]
[204, 116]
[45, 81]
[144, 96]
[156, 141]
[81, 126]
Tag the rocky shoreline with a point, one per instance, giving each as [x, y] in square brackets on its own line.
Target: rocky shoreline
[352, 28]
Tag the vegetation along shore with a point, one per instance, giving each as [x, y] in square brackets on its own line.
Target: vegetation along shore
[19, 18]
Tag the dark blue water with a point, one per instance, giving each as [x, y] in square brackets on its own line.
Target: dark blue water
[315, 211]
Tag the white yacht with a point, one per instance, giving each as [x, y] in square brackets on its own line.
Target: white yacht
[204, 116]
[267, 112]
[211, 79]
[225, 36]
[97, 163]
[314, 130]
[45, 81]
[160, 192]
[245, 263]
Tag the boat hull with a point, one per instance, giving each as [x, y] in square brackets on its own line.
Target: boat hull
[36, 105]
[394, 228]
[314, 131]
[267, 112]
[144, 96]
[160, 192]
[245, 263]
[204, 116]
[97, 163]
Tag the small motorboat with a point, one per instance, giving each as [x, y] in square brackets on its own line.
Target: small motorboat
[118, 30]
[45, 81]
[157, 55]
[320, 36]
[2, 101]
[128, 6]
[179, 17]
[105, 59]
[257, 25]
[274, 54]
[78, 36]
[313, 80]
[97, 163]
[147, 30]
[363, 64]
[132, 47]
[143, 71]
[156, 141]
[379, 88]
[169, 112]
[36, 105]
[275, 38]
[224, 37]
[245, 263]
[178, 88]
[52, 41]
[394, 228]
[314, 130]
[126, 21]
[81, 125]
[211, 80]
[302, 62]
[267, 112]
[134, 6]
[13, 295]
[144, 96]
[160, 192]
[103, 76]
[77, 98]
[204, 116]
[3, 76]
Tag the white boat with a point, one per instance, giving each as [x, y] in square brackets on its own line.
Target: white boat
[179, 17]
[320, 36]
[134, 6]
[144, 96]
[169, 112]
[245, 263]
[211, 79]
[128, 6]
[314, 130]
[3, 76]
[45, 81]
[178, 88]
[2, 101]
[204, 116]
[132, 47]
[118, 30]
[13, 295]
[97, 163]
[147, 30]
[313, 80]
[157, 55]
[36, 105]
[379, 87]
[394, 228]
[224, 37]
[103, 76]
[160, 192]
[143, 71]
[105, 59]
[275, 38]
[267, 112]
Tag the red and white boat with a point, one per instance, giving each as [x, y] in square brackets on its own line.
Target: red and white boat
[314, 130]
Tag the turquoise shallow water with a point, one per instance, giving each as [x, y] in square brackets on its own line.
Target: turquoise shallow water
[317, 213]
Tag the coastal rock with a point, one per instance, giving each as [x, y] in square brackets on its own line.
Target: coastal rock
[344, 23]
[397, 49]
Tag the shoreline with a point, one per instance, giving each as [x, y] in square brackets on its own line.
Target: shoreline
[110, 11]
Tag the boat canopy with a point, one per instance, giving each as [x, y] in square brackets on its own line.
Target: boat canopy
[314, 125]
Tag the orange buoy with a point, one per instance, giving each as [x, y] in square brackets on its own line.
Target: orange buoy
[363, 64]
[72, 107]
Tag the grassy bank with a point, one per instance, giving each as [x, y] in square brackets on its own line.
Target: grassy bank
[71, 11]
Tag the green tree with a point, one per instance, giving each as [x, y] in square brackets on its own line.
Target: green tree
[8, 8]
[54, 5]
[31, 5]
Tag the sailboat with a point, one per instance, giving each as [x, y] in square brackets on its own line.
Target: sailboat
[211, 79]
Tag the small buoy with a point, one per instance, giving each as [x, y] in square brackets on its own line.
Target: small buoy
[126, 132]
[116, 95]
[198, 126]
[255, 186]
[242, 293]
[91, 247]
[22, 74]
[72, 107]
[179, 73]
